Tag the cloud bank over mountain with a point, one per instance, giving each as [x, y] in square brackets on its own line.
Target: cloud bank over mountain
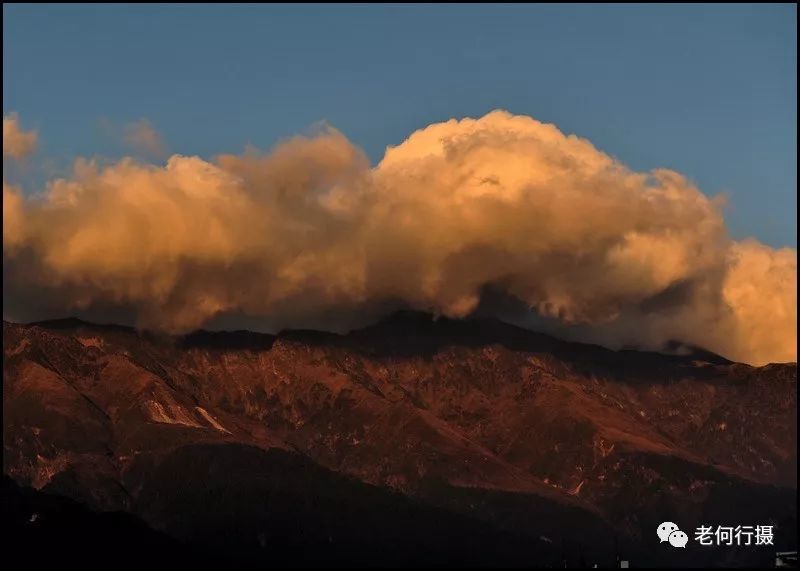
[312, 229]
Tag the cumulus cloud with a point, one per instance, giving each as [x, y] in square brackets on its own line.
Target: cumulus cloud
[760, 289]
[17, 143]
[142, 137]
[310, 228]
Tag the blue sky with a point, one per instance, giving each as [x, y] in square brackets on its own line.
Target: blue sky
[707, 90]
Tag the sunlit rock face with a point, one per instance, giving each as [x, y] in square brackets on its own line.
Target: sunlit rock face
[476, 417]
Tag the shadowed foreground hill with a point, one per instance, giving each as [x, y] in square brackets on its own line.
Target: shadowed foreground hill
[471, 441]
[258, 507]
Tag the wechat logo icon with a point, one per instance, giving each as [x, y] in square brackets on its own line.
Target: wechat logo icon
[670, 532]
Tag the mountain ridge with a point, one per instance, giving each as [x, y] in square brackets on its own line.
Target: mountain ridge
[517, 429]
[410, 321]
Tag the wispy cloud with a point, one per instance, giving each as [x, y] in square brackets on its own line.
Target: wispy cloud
[142, 137]
[17, 143]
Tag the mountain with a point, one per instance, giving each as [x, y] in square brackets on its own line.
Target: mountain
[415, 441]
[50, 528]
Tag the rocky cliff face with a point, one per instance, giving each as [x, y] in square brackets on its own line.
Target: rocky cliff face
[578, 448]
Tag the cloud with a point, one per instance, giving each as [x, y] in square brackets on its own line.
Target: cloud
[760, 288]
[17, 143]
[142, 137]
[310, 229]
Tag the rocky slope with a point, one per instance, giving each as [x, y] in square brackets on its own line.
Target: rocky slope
[581, 450]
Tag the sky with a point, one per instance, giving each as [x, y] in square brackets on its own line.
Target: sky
[709, 91]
